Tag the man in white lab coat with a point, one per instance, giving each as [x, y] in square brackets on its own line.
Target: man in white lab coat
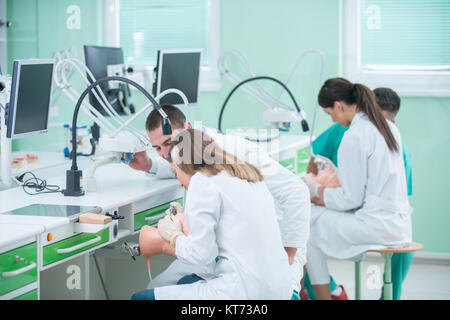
[291, 196]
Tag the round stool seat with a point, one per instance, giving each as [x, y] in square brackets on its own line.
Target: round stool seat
[411, 247]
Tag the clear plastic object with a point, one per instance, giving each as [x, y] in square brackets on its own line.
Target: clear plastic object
[327, 173]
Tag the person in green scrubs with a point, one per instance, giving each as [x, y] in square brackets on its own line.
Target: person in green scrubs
[327, 145]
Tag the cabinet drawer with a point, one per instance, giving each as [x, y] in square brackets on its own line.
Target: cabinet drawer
[30, 295]
[73, 245]
[289, 164]
[18, 267]
[151, 216]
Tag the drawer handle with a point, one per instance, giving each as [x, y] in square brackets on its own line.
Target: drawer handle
[14, 273]
[158, 216]
[304, 160]
[79, 246]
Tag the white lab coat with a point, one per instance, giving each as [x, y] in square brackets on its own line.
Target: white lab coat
[233, 220]
[370, 210]
[290, 194]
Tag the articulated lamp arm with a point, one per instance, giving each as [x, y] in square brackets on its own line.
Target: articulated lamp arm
[73, 187]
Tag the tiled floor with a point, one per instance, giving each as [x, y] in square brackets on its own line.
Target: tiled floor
[425, 280]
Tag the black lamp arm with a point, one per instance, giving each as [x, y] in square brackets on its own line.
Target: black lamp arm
[304, 123]
[166, 121]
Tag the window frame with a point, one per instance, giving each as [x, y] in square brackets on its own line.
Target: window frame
[210, 79]
[414, 83]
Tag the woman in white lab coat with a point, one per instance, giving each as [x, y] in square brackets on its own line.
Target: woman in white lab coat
[231, 216]
[370, 210]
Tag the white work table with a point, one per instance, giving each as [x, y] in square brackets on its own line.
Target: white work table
[11, 234]
[117, 184]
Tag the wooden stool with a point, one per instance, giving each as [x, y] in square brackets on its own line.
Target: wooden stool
[386, 253]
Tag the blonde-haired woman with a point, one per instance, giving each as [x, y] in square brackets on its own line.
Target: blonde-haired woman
[230, 215]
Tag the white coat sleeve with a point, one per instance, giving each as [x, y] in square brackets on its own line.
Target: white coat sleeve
[352, 174]
[293, 207]
[161, 168]
[202, 214]
[291, 198]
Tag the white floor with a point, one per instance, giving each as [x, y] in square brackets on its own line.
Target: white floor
[426, 280]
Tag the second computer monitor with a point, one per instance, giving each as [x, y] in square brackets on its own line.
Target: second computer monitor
[178, 69]
[97, 60]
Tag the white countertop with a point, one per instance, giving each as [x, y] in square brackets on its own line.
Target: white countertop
[45, 223]
[13, 233]
[117, 185]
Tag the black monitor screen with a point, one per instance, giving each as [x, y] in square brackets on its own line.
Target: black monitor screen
[178, 70]
[30, 98]
[97, 60]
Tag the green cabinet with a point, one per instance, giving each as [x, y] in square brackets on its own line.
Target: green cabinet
[289, 164]
[30, 295]
[302, 160]
[151, 216]
[73, 245]
[18, 268]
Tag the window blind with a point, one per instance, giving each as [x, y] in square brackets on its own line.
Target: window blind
[149, 25]
[405, 34]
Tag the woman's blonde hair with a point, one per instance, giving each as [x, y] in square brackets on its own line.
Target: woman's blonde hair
[194, 151]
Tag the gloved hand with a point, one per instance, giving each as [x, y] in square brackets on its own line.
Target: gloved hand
[177, 206]
[312, 185]
[169, 228]
[181, 216]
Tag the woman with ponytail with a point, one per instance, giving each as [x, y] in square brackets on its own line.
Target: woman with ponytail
[370, 209]
[232, 225]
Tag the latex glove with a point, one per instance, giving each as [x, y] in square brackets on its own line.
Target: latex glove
[169, 228]
[312, 185]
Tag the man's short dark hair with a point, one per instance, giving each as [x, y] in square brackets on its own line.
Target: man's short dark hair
[387, 99]
[175, 115]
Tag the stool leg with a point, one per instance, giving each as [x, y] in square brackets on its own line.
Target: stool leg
[387, 275]
[358, 280]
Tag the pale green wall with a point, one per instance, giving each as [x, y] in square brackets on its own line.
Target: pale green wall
[272, 34]
[38, 30]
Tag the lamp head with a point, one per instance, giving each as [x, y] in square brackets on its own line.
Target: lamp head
[166, 126]
[305, 126]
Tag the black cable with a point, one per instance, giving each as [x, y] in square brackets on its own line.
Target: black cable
[304, 123]
[39, 185]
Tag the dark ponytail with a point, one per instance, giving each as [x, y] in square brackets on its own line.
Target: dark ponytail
[340, 89]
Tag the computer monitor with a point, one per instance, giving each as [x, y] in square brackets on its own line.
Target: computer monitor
[178, 69]
[97, 60]
[29, 105]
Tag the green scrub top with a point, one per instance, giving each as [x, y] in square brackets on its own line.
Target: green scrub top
[327, 145]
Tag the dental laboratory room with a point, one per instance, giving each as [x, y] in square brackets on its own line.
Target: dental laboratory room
[224, 150]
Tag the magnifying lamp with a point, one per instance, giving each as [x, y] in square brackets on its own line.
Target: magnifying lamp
[73, 186]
